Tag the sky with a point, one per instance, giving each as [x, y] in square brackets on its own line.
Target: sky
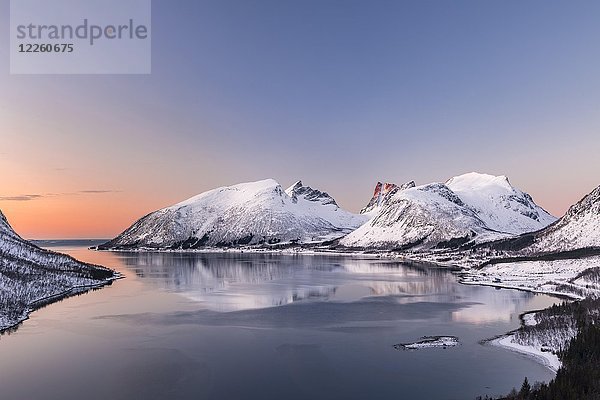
[340, 94]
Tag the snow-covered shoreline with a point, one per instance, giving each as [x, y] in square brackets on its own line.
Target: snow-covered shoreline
[249, 250]
[572, 279]
[548, 359]
[560, 295]
[561, 278]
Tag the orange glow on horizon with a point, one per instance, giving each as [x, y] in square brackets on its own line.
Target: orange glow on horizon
[104, 216]
[72, 217]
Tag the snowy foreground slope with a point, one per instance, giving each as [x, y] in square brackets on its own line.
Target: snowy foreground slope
[468, 209]
[256, 213]
[29, 276]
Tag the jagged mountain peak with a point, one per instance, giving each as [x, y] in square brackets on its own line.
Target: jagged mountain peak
[298, 190]
[295, 186]
[382, 192]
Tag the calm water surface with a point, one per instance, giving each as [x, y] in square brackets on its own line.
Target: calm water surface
[247, 326]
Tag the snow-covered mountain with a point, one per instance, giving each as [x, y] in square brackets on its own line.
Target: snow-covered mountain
[578, 229]
[256, 213]
[29, 274]
[422, 217]
[501, 206]
[471, 208]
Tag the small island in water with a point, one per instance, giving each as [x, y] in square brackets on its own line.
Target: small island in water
[428, 342]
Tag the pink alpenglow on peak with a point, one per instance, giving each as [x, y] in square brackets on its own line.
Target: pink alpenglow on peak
[381, 193]
[467, 209]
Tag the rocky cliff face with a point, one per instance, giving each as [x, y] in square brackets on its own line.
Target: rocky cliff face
[382, 192]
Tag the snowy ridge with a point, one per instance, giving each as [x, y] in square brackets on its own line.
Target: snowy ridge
[579, 228]
[5, 228]
[300, 192]
[471, 208]
[255, 213]
[29, 275]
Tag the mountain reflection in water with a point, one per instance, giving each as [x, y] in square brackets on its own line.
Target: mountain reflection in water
[256, 326]
[243, 281]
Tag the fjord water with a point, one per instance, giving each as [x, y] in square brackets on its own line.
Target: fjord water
[259, 326]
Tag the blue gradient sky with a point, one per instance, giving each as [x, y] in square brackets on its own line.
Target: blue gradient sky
[339, 94]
